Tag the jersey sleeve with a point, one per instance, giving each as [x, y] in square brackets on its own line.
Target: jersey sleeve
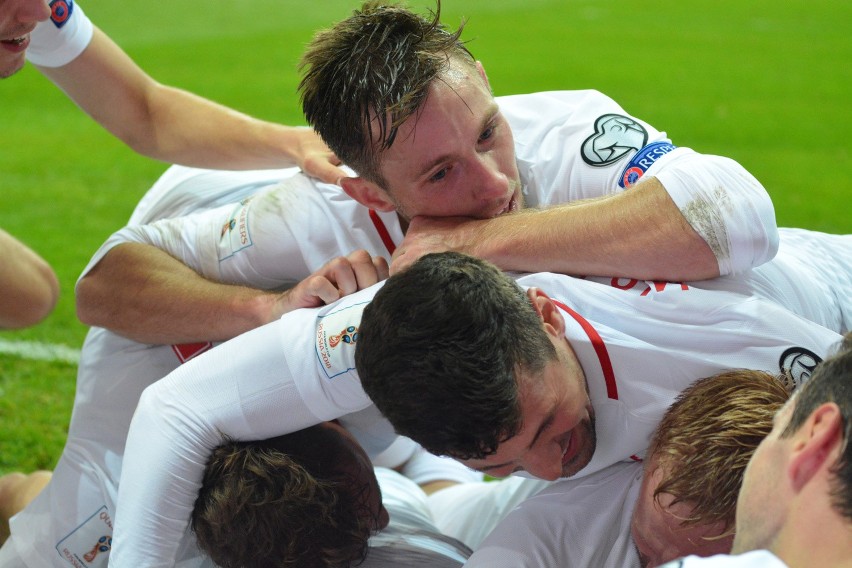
[574, 145]
[61, 38]
[265, 383]
[258, 241]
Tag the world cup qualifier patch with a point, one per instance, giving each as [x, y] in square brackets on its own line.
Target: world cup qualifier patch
[88, 545]
[643, 160]
[615, 136]
[337, 334]
[60, 12]
[799, 364]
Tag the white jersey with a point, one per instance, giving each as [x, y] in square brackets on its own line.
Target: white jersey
[293, 224]
[62, 37]
[581, 523]
[411, 538]
[638, 351]
[240, 241]
[754, 559]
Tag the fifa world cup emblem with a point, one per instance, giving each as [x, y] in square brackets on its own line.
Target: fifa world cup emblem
[103, 545]
[348, 335]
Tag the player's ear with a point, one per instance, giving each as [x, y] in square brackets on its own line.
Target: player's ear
[367, 193]
[548, 312]
[816, 444]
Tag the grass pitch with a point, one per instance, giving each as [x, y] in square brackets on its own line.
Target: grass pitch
[765, 83]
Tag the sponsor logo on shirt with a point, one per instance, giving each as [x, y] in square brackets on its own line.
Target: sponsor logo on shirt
[89, 544]
[235, 234]
[798, 363]
[643, 160]
[60, 12]
[336, 336]
[615, 137]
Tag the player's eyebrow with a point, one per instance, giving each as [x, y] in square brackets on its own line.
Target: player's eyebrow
[493, 110]
[545, 424]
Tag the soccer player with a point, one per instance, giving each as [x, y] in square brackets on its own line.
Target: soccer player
[443, 166]
[624, 354]
[795, 505]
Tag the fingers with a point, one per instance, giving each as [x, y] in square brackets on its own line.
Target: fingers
[356, 271]
[337, 278]
[324, 167]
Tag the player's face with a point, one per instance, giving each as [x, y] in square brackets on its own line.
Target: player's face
[762, 498]
[17, 19]
[456, 157]
[656, 526]
[557, 438]
[364, 483]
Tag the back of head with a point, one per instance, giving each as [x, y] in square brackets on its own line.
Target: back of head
[369, 73]
[707, 437]
[279, 503]
[439, 348]
[831, 381]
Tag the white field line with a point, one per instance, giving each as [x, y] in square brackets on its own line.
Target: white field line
[40, 351]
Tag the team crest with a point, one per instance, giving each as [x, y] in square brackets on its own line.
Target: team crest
[615, 136]
[60, 12]
[798, 363]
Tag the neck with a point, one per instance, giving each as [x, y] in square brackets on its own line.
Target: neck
[823, 539]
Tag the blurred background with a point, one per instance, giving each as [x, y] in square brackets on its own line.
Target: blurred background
[768, 84]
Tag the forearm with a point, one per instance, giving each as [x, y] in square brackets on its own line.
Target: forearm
[638, 234]
[179, 127]
[160, 300]
[194, 131]
[29, 288]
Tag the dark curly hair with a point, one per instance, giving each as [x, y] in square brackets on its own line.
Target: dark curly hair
[279, 503]
[373, 70]
[439, 350]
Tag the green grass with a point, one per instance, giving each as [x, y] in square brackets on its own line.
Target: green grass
[765, 83]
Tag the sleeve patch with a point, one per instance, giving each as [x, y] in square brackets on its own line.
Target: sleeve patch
[643, 160]
[336, 336]
[615, 136]
[60, 11]
[235, 235]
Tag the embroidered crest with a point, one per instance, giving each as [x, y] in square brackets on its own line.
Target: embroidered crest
[615, 136]
[798, 363]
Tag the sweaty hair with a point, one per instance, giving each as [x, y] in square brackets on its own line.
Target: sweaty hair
[707, 437]
[439, 350]
[372, 72]
[831, 382]
[281, 503]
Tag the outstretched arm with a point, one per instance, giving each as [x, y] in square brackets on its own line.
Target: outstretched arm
[28, 286]
[175, 126]
[699, 217]
[264, 383]
[207, 310]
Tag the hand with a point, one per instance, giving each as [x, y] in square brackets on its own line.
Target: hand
[337, 278]
[434, 234]
[316, 159]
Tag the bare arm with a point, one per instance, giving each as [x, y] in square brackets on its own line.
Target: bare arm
[169, 291]
[638, 233]
[175, 126]
[28, 286]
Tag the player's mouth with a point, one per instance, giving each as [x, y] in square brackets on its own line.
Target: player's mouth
[570, 450]
[17, 44]
[510, 207]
